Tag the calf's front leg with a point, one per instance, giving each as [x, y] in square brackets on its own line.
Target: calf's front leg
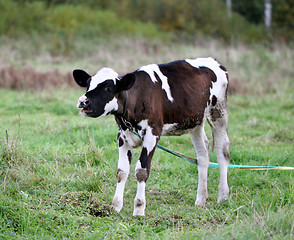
[124, 161]
[142, 171]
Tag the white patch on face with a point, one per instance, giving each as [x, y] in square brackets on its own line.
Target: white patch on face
[150, 140]
[153, 68]
[110, 106]
[81, 99]
[102, 75]
[219, 87]
[83, 114]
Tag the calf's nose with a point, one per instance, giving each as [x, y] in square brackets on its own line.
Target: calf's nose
[83, 102]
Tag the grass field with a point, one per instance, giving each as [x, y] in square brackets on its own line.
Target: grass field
[57, 170]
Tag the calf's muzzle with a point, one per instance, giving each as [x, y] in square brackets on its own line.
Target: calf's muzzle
[83, 102]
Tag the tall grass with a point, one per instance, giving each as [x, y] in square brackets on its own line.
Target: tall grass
[253, 70]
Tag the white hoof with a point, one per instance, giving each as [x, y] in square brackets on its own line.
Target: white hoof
[201, 198]
[117, 204]
[200, 202]
[139, 207]
[223, 194]
[138, 212]
[222, 199]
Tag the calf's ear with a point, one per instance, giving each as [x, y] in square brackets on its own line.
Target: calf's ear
[126, 82]
[81, 77]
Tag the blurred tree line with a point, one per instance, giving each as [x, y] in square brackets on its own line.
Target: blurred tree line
[190, 18]
[282, 15]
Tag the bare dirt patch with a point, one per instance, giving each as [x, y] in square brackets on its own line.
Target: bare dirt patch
[85, 200]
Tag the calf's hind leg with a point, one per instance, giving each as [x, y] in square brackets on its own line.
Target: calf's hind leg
[201, 146]
[221, 145]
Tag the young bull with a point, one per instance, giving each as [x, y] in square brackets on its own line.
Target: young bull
[166, 99]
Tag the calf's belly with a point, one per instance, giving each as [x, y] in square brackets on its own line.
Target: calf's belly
[177, 129]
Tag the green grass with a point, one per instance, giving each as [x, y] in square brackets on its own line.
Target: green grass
[57, 175]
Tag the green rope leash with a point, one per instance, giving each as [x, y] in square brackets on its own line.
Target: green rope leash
[194, 160]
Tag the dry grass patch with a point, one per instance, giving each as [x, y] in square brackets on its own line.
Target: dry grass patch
[31, 79]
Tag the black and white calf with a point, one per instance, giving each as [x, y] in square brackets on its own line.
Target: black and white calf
[165, 99]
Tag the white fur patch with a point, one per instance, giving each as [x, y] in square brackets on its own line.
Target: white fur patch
[143, 124]
[140, 197]
[132, 139]
[141, 190]
[124, 167]
[218, 87]
[110, 106]
[153, 68]
[150, 140]
[138, 166]
[102, 75]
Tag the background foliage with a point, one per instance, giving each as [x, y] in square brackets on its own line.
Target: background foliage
[188, 19]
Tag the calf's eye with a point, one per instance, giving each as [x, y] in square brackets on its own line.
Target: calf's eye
[108, 89]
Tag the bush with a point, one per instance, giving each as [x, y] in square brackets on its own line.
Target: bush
[204, 18]
[21, 18]
[66, 21]
[283, 19]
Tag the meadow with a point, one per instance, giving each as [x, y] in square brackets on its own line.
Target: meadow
[58, 170]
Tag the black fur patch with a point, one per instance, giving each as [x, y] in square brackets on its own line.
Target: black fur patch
[119, 175]
[130, 156]
[214, 100]
[120, 142]
[144, 157]
[222, 68]
[139, 203]
[226, 153]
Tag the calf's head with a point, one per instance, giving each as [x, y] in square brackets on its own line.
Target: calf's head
[101, 97]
